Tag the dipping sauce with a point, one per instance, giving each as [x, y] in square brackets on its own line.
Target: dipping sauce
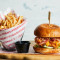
[22, 46]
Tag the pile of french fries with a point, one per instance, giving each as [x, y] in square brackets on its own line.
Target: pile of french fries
[11, 20]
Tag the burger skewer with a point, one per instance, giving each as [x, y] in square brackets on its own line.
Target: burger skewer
[49, 15]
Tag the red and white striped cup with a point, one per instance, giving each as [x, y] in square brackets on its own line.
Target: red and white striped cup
[9, 36]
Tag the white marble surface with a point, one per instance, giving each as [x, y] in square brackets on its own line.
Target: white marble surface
[35, 12]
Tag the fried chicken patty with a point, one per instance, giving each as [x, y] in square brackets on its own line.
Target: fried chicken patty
[50, 42]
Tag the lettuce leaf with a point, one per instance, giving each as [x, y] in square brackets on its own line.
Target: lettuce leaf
[59, 47]
[47, 46]
[36, 46]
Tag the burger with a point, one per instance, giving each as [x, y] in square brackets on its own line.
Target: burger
[47, 39]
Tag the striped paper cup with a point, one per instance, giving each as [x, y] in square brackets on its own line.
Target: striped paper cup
[9, 36]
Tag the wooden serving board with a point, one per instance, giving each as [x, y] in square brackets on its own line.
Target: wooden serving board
[31, 55]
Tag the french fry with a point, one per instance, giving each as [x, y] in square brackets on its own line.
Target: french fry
[19, 21]
[14, 20]
[10, 21]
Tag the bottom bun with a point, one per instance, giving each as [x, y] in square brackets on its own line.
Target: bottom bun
[46, 50]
